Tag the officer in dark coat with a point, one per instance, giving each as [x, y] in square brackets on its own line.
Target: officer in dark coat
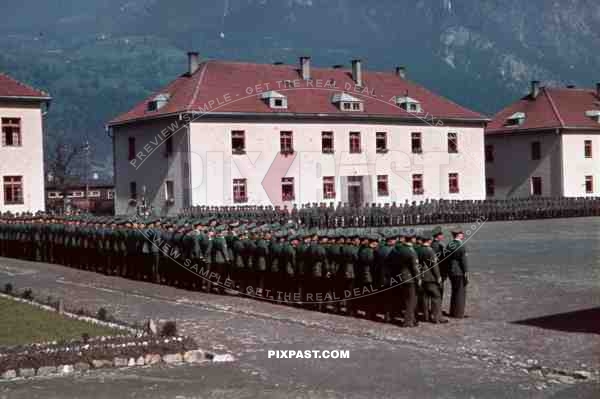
[405, 264]
[458, 274]
[431, 301]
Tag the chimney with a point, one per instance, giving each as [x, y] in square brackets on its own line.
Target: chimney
[598, 89]
[193, 62]
[401, 72]
[305, 67]
[535, 89]
[357, 72]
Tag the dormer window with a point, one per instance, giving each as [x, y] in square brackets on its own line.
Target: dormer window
[158, 102]
[346, 102]
[409, 104]
[594, 114]
[275, 100]
[518, 118]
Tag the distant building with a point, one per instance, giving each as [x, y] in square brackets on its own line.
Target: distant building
[99, 198]
[21, 151]
[232, 133]
[545, 144]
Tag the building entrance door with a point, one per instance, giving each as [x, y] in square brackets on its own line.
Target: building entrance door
[355, 190]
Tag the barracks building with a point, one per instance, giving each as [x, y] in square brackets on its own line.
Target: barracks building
[234, 133]
[545, 144]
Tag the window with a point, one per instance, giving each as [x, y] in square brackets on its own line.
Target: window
[382, 186]
[94, 194]
[327, 142]
[355, 143]
[76, 194]
[347, 106]
[588, 148]
[381, 142]
[489, 153]
[589, 184]
[416, 145]
[417, 184]
[536, 151]
[131, 148]
[238, 142]
[54, 195]
[490, 187]
[13, 190]
[286, 143]
[110, 194]
[11, 132]
[169, 190]
[453, 183]
[452, 143]
[356, 106]
[536, 185]
[240, 191]
[278, 102]
[287, 189]
[329, 187]
[133, 190]
[169, 146]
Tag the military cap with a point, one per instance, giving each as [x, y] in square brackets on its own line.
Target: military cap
[436, 231]
[374, 237]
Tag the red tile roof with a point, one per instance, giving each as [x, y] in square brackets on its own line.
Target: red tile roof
[553, 108]
[11, 88]
[214, 79]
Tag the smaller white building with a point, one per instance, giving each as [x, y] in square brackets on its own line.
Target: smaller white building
[545, 144]
[21, 150]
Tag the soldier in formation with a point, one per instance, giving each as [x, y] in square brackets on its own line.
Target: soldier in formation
[328, 216]
[390, 273]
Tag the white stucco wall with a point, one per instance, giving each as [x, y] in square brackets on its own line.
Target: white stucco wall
[576, 166]
[27, 160]
[151, 168]
[513, 167]
[213, 167]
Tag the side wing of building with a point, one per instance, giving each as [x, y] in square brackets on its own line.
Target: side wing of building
[21, 155]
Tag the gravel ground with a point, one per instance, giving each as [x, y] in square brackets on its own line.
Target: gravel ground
[534, 301]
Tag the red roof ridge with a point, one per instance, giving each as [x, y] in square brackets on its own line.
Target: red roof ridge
[198, 84]
[41, 92]
[554, 108]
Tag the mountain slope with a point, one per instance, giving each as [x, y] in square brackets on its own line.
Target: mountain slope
[97, 58]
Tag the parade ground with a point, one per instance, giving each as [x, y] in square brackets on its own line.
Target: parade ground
[533, 304]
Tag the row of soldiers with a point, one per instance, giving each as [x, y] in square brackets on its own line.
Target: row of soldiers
[330, 215]
[387, 272]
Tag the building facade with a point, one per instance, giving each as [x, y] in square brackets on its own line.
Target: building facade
[543, 145]
[96, 197]
[229, 133]
[21, 150]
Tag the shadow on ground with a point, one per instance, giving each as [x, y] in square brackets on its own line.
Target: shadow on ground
[580, 321]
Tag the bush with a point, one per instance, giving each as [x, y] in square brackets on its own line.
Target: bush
[102, 314]
[85, 337]
[8, 288]
[169, 329]
[27, 294]
[80, 312]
